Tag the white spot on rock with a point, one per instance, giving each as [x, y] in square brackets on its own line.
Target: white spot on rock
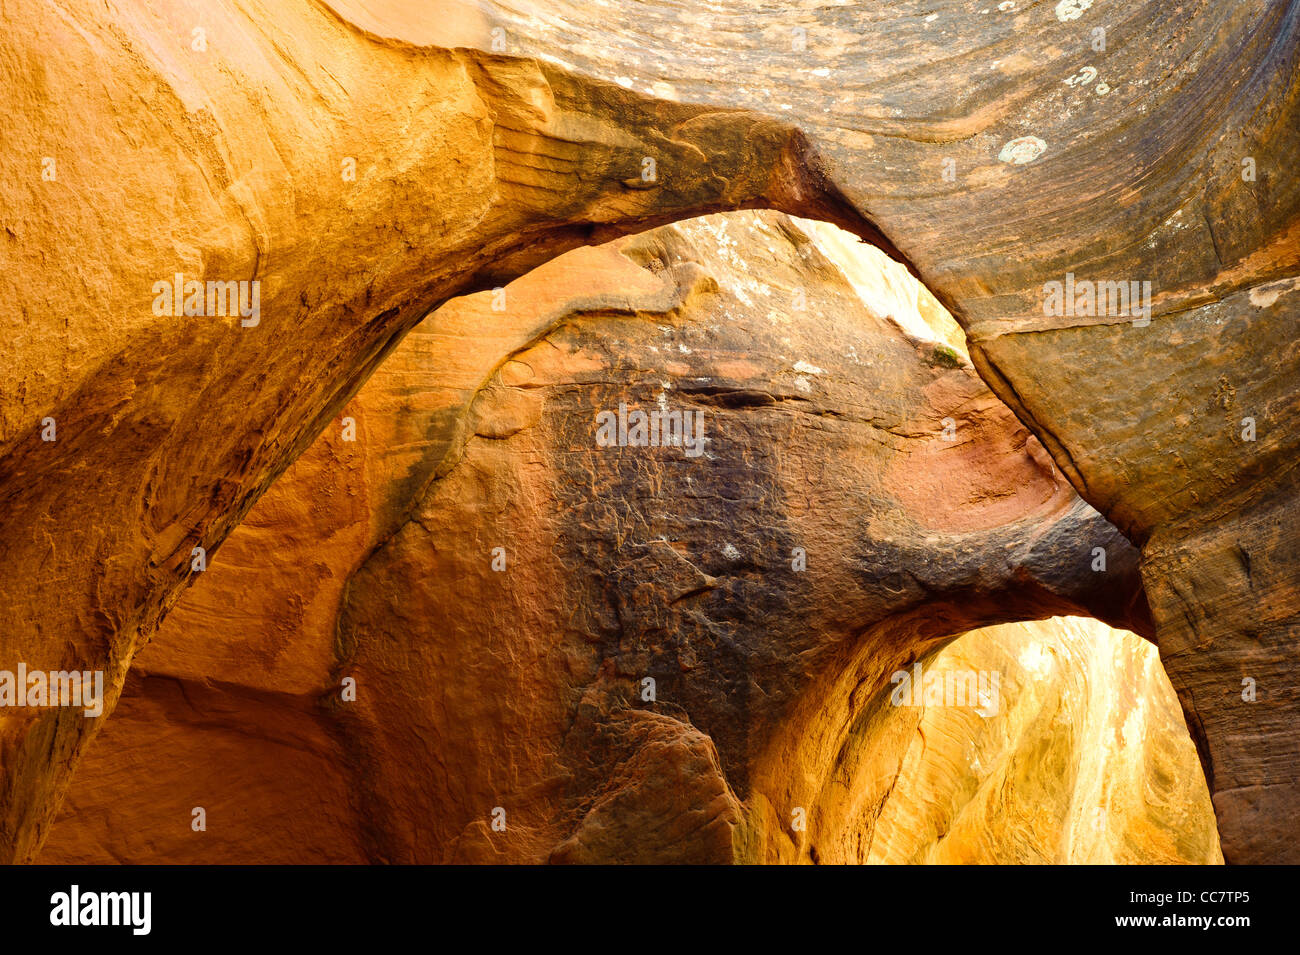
[663, 90]
[1068, 10]
[804, 368]
[730, 552]
[1265, 296]
[1021, 150]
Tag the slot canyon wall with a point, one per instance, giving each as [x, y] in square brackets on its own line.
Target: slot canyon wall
[1092, 766]
[366, 162]
[519, 685]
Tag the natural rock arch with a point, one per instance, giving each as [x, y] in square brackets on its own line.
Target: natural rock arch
[498, 585]
[223, 162]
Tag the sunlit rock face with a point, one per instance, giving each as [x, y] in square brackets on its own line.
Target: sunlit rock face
[358, 183]
[1079, 756]
[996, 149]
[500, 582]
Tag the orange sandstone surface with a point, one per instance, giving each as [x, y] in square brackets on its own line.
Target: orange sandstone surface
[461, 630]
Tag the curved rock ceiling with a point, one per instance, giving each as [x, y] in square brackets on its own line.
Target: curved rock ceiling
[364, 174]
[523, 686]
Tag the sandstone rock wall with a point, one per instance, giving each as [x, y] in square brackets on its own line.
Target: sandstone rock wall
[521, 688]
[360, 183]
[993, 149]
[1085, 760]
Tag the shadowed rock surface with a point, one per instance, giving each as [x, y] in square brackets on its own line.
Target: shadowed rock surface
[521, 688]
[222, 160]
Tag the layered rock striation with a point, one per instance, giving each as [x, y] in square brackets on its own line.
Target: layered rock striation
[366, 162]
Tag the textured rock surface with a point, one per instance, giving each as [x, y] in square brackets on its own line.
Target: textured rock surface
[222, 156]
[1157, 144]
[1086, 759]
[221, 159]
[521, 688]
